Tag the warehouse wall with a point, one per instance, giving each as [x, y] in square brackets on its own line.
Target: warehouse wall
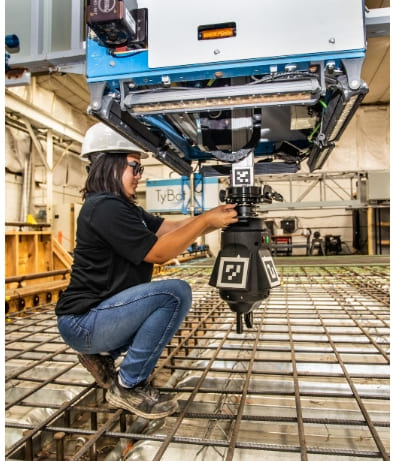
[365, 145]
[23, 161]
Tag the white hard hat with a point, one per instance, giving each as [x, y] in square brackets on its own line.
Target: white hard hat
[101, 138]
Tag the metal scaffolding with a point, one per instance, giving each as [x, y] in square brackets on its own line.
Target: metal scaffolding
[310, 380]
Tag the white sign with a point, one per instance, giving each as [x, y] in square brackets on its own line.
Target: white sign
[173, 195]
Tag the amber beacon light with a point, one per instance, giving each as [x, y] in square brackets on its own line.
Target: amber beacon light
[214, 31]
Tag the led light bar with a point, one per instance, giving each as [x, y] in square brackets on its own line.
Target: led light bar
[339, 113]
[228, 97]
[343, 117]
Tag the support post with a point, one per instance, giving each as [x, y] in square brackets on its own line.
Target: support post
[49, 176]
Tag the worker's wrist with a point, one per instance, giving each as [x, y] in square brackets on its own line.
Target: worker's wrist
[205, 221]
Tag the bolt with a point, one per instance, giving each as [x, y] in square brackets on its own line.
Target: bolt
[332, 40]
[290, 68]
[330, 65]
[216, 51]
[166, 81]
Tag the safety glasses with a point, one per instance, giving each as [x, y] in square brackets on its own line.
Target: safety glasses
[137, 168]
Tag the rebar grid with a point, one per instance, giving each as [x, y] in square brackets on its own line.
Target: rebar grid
[309, 381]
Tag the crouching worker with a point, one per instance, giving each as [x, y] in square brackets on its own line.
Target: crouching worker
[111, 306]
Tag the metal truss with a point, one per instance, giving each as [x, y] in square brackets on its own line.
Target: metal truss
[345, 189]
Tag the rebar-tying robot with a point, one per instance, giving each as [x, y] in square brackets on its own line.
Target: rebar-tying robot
[239, 90]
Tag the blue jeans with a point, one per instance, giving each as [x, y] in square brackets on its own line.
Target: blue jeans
[140, 321]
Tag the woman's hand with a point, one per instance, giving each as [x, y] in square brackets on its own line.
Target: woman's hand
[221, 216]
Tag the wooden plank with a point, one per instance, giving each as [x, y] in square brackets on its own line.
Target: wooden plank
[44, 249]
[26, 254]
[11, 255]
[61, 258]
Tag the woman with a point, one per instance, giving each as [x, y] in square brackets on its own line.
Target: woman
[111, 306]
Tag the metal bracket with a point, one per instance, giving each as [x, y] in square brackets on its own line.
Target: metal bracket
[96, 95]
[353, 69]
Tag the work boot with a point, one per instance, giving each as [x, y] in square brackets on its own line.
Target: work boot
[102, 367]
[143, 400]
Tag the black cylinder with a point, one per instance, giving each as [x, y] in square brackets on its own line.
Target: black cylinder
[239, 273]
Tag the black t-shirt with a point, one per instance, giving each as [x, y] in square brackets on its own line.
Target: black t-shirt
[113, 237]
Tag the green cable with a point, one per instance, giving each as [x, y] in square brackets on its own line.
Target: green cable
[324, 105]
[313, 132]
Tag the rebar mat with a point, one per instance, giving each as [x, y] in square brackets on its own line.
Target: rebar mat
[309, 380]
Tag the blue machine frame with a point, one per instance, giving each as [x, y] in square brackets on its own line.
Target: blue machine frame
[285, 109]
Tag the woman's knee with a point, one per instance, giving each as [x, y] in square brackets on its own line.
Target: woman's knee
[182, 290]
[185, 288]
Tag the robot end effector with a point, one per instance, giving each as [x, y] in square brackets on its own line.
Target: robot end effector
[244, 271]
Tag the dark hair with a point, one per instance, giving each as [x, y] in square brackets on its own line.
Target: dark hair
[105, 174]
